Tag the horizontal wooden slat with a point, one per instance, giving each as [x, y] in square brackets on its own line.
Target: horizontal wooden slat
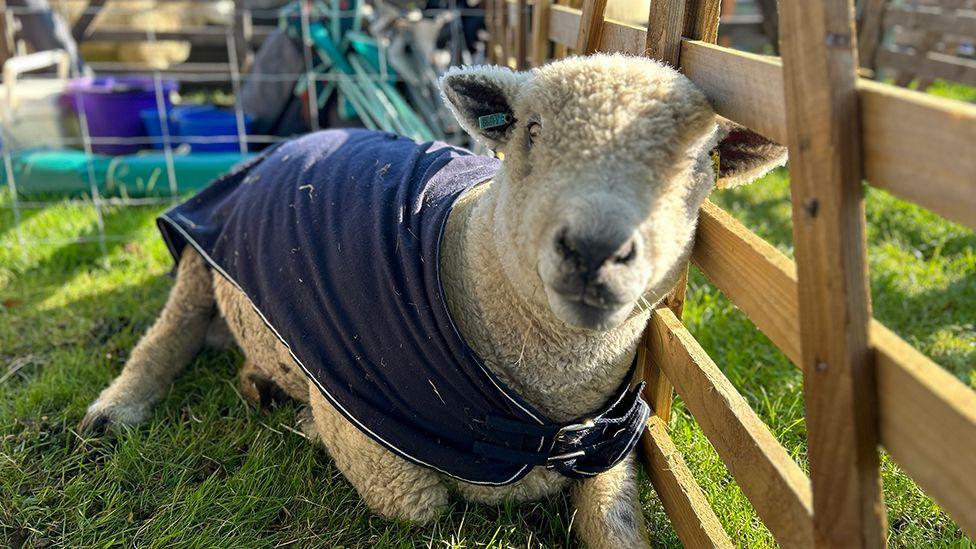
[622, 37]
[773, 482]
[757, 277]
[932, 64]
[742, 87]
[691, 515]
[564, 25]
[961, 22]
[928, 424]
[920, 148]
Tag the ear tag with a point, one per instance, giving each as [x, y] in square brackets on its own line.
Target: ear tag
[716, 163]
[494, 120]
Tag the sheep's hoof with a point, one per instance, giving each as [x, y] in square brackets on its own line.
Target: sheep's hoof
[102, 418]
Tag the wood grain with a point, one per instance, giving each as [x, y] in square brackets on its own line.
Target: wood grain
[666, 22]
[927, 417]
[622, 37]
[591, 26]
[772, 481]
[692, 517]
[819, 60]
[928, 425]
[870, 31]
[702, 20]
[742, 87]
[657, 389]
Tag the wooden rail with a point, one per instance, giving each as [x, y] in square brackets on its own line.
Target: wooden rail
[962, 22]
[864, 386]
[775, 485]
[926, 42]
[682, 498]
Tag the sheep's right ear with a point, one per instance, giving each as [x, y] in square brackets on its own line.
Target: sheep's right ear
[482, 98]
[744, 155]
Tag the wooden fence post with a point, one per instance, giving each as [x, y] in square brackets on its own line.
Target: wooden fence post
[540, 32]
[521, 35]
[666, 22]
[490, 27]
[591, 25]
[870, 31]
[818, 43]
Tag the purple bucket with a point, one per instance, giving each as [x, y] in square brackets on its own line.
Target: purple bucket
[111, 106]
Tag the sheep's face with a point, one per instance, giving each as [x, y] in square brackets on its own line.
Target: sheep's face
[606, 163]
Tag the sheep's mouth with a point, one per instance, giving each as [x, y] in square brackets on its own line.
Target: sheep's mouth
[588, 314]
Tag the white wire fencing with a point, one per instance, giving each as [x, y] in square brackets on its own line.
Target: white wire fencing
[378, 61]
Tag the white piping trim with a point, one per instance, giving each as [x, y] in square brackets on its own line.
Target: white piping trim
[440, 288]
[325, 392]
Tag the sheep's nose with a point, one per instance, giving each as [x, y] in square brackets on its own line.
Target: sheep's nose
[588, 255]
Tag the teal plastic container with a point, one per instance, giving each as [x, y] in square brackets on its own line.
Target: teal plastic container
[64, 173]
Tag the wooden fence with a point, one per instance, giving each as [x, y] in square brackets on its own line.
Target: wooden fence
[864, 388]
[927, 38]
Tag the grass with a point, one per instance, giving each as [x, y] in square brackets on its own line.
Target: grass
[208, 471]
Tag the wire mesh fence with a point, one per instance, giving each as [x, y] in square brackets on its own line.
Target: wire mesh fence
[144, 132]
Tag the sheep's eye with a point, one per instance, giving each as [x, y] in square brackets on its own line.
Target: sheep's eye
[535, 129]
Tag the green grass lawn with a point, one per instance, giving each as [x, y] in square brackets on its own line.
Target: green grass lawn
[208, 471]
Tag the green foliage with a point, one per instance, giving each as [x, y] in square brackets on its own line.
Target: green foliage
[208, 471]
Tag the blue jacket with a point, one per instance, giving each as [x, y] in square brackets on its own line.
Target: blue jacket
[335, 238]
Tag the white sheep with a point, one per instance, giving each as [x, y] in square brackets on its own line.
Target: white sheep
[549, 271]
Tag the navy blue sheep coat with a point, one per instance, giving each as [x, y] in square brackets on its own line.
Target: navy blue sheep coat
[335, 237]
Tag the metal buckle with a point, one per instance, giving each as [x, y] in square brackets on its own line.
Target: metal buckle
[571, 428]
[562, 457]
[587, 424]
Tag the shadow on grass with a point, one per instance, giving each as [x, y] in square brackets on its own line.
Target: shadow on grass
[70, 258]
[923, 316]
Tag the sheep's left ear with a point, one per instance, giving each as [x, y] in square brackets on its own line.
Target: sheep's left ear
[744, 155]
[482, 98]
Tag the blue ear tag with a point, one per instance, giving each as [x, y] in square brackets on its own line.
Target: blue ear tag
[494, 120]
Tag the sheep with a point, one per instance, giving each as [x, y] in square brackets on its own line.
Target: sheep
[549, 270]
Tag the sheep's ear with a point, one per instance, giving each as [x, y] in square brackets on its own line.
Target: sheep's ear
[481, 98]
[744, 155]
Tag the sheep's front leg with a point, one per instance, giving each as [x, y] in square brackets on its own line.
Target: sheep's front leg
[174, 339]
[608, 513]
[390, 486]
